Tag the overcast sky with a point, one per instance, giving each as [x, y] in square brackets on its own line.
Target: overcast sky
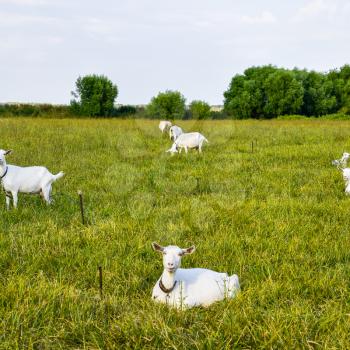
[147, 46]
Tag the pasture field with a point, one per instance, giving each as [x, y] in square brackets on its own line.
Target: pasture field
[275, 215]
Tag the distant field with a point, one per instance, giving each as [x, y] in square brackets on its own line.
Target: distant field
[276, 215]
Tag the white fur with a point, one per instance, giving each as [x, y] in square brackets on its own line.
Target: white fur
[346, 177]
[174, 132]
[188, 141]
[164, 125]
[341, 164]
[194, 287]
[34, 180]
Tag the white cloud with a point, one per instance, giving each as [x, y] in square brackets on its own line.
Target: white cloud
[149, 46]
[264, 17]
[97, 26]
[14, 19]
[346, 7]
[202, 23]
[54, 40]
[316, 8]
[24, 2]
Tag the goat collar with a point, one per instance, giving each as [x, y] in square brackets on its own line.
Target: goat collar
[166, 290]
[4, 174]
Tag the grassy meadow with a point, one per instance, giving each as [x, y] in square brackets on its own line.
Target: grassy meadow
[274, 213]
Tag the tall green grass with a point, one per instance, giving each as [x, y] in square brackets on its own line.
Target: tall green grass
[275, 214]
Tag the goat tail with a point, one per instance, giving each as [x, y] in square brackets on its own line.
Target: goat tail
[206, 140]
[57, 176]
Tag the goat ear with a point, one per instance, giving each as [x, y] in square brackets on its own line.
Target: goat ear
[8, 152]
[189, 250]
[157, 247]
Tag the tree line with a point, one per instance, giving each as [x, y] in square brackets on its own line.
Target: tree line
[267, 92]
[95, 96]
[260, 93]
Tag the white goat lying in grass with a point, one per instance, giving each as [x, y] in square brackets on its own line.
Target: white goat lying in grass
[341, 164]
[174, 132]
[164, 125]
[185, 288]
[188, 140]
[34, 180]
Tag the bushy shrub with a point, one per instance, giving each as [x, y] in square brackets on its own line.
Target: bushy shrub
[199, 110]
[34, 110]
[124, 111]
[167, 105]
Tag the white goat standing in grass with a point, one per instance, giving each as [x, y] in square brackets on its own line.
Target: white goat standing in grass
[341, 164]
[164, 125]
[174, 132]
[185, 288]
[187, 141]
[33, 180]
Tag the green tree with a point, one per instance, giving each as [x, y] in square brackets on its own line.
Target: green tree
[318, 97]
[268, 91]
[167, 105]
[284, 94]
[246, 95]
[344, 76]
[94, 96]
[237, 100]
[199, 109]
